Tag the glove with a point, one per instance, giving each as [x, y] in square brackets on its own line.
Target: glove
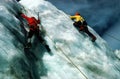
[19, 13]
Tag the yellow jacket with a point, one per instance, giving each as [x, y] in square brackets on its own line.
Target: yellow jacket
[77, 18]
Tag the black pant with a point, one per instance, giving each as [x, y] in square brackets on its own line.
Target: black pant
[31, 33]
[83, 24]
[36, 32]
[78, 24]
[88, 32]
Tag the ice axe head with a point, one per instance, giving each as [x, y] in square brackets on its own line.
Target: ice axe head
[37, 12]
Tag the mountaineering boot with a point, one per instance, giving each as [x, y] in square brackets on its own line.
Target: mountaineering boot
[93, 38]
[48, 50]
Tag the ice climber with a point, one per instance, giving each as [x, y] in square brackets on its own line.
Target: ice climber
[34, 30]
[81, 25]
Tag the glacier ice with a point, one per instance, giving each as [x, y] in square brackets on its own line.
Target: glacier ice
[95, 60]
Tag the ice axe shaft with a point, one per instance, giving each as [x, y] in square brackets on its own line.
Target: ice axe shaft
[38, 15]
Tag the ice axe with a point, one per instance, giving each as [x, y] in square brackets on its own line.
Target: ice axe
[38, 15]
[41, 27]
[37, 12]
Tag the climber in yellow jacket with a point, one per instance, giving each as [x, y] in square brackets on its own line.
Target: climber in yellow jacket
[81, 25]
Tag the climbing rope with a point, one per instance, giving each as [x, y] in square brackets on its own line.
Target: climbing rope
[60, 49]
[112, 37]
[67, 57]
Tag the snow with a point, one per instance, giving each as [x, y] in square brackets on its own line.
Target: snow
[94, 60]
[117, 52]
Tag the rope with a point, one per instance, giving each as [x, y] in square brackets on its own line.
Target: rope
[113, 37]
[64, 53]
[68, 58]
